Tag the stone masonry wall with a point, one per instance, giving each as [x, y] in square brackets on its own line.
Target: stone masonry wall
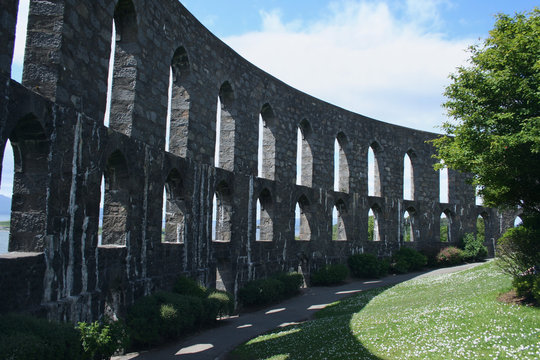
[61, 265]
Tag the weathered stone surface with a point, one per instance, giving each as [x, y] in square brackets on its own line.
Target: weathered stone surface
[63, 151]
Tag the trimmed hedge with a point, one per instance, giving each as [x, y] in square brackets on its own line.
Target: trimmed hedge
[367, 266]
[26, 337]
[407, 259]
[165, 316]
[187, 286]
[330, 275]
[269, 290]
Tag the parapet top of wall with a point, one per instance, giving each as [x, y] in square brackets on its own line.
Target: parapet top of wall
[72, 69]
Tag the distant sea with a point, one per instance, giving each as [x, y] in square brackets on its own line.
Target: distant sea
[4, 238]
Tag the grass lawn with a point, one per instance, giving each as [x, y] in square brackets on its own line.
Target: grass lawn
[455, 316]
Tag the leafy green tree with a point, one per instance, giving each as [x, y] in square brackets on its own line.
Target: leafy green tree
[494, 103]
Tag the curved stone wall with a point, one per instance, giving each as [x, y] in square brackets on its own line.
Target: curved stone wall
[71, 270]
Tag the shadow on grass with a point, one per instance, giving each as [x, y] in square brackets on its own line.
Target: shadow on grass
[328, 336]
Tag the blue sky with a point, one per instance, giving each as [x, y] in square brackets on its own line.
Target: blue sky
[387, 59]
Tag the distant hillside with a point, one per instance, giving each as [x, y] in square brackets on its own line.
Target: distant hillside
[5, 205]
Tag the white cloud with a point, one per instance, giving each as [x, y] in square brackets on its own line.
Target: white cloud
[363, 58]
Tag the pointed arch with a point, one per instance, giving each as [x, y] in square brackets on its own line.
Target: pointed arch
[30, 147]
[408, 225]
[266, 164]
[341, 164]
[126, 52]
[444, 190]
[374, 170]
[304, 155]
[446, 226]
[174, 209]
[339, 228]
[264, 217]
[374, 218]
[116, 200]
[408, 175]
[225, 128]
[302, 219]
[222, 213]
[179, 103]
[481, 222]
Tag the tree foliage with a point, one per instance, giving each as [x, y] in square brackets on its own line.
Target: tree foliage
[494, 103]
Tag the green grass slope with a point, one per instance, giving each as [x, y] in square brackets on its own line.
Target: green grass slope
[455, 316]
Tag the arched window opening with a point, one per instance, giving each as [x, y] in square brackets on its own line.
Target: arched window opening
[125, 67]
[374, 175]
[225, 128]
[222, 214]
[339, 231]
[266, 160]
[110, 76]
[445, 226]
[408, 228]
[101, 205]
[20, 41]
[116, 201]
[304, 156]
[299, 156]
[6, 192]
[481, 228]
[179, 103]
[168, 120]
[341, 165]
[264, 217]
[443, 186]
[31, 149]
[479, 201]
[374, 233]
[174, 209]
[518, 221]
[302, 228]
[408, 177]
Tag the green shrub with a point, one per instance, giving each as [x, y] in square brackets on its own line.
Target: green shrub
[260, 292]
[292, 282]
[401, 266]
[187, 286]
[102, 340]
[163, 316]
[26, 337]
[473, 248]
[367, 266]
[536, 289]
[431, 256]
[330, 275]
[220, 302]
[524, 285]
[450, 256]
[519, 248]
[272, 289]
[407, 259]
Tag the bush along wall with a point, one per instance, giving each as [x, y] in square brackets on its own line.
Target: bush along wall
[166, 316]
[330, 275]
[367, 266]
[407, 259]
[270, 290]
[26, 337]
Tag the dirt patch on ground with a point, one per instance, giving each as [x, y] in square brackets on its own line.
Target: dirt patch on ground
[512, 298]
